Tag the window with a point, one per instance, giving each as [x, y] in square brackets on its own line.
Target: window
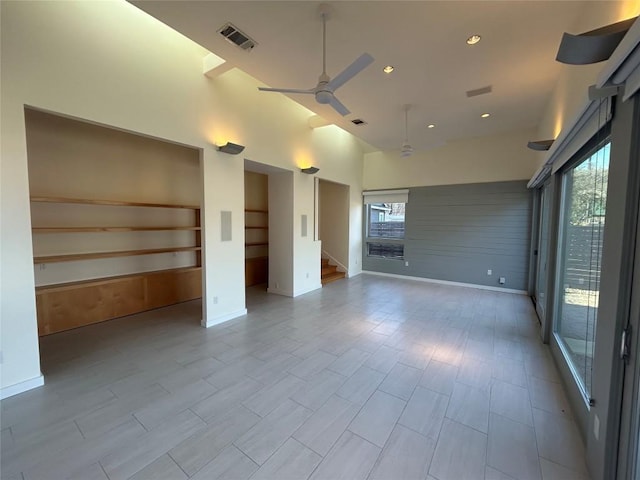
[385, 230]
[582, 231]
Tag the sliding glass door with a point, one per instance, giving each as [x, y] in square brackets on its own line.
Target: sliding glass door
[584, 203]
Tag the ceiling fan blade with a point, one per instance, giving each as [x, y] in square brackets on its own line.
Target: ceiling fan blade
[285, 90]
[339, 107]
[360, 63]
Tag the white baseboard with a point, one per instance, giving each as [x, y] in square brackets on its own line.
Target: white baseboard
[446, 282]
[354, 274]
[223, 318]
[307, 290]
[21, 387]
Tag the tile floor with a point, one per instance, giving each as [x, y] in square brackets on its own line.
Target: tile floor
[369, 378]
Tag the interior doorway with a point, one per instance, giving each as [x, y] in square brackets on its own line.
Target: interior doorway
[333, 229]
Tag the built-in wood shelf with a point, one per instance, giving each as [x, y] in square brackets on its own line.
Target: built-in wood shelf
[97, 255]
[255, 244]
[256, 228]
[115, 203]
[249, 210]
[106, 229]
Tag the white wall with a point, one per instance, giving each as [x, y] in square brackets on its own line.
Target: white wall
[334, 220]
[493, 158]
[281, 233]
[571, 91]
[109, 63]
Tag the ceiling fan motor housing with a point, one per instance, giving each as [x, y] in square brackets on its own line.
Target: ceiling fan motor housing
[324, 96]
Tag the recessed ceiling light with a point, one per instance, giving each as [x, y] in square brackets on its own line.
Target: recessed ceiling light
[485, 115]
[473, 39]
[388, 69]
[431, 125]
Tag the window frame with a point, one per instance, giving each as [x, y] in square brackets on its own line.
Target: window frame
[368, 240]
[597, 143]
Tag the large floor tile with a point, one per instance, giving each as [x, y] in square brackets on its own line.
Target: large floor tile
[425, 412]
[559, 440]
[469, 406]
[512, 448]
[460, 453]
[359, 387]
[401, 381]
[351, 458]
[406, 456]
[511, 401]
[261, 441]
[439, 377]
[292, 461]
[230, 464]
[326, 425]
[377, 418]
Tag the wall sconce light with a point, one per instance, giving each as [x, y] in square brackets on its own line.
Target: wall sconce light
[310, 170]
[230, 148]
[593, 46]
[540, 145]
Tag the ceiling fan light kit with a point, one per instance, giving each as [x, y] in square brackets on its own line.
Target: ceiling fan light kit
[406, 150]
[324, 90]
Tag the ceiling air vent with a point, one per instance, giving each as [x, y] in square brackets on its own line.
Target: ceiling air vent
[358, 121]
[235, 36]
[479, 91]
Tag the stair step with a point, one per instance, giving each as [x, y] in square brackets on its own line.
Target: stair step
[332, 278]
[325, 262]
[328, 269]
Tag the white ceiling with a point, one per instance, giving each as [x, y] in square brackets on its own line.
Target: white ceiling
[423, 40]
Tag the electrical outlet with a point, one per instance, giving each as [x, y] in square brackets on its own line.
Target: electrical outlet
[502, 280]
[43, 266]
[277, 285]
[215, 300]
[489, 272]
[406, 264]
[307, 274]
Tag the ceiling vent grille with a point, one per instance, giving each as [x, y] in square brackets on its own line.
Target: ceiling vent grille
[235, 36]
[479, 91]
[358, 121]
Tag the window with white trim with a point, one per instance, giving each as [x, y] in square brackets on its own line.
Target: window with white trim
[385, 223]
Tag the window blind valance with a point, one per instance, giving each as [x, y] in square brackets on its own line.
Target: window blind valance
[623, 68]
[594, 116]
[386, 196]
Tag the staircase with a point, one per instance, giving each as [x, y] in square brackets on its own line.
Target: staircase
[330, 273]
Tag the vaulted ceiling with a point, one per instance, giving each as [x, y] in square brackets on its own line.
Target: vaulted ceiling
[425, 42]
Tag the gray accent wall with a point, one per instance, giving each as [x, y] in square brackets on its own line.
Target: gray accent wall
[458, 232]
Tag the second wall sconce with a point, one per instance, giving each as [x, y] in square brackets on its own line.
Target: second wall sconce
[310, 170]
[230, 148]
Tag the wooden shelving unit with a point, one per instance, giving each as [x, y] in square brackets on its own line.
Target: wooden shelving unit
[106, 229]
[73, 304]
[93, 256]
[256, 266]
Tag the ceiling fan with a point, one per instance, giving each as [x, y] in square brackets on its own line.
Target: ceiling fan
[406, 150]
[323, 91]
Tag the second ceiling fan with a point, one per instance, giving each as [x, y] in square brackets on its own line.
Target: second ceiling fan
[324, 90]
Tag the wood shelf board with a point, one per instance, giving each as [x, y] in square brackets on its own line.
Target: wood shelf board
[116, 203]
[254, 210]
[106, 280]
[256, 228]
[107, 229]
[255, 244]
[98, 255]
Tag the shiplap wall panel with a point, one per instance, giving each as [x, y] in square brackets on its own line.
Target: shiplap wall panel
[458, 232]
